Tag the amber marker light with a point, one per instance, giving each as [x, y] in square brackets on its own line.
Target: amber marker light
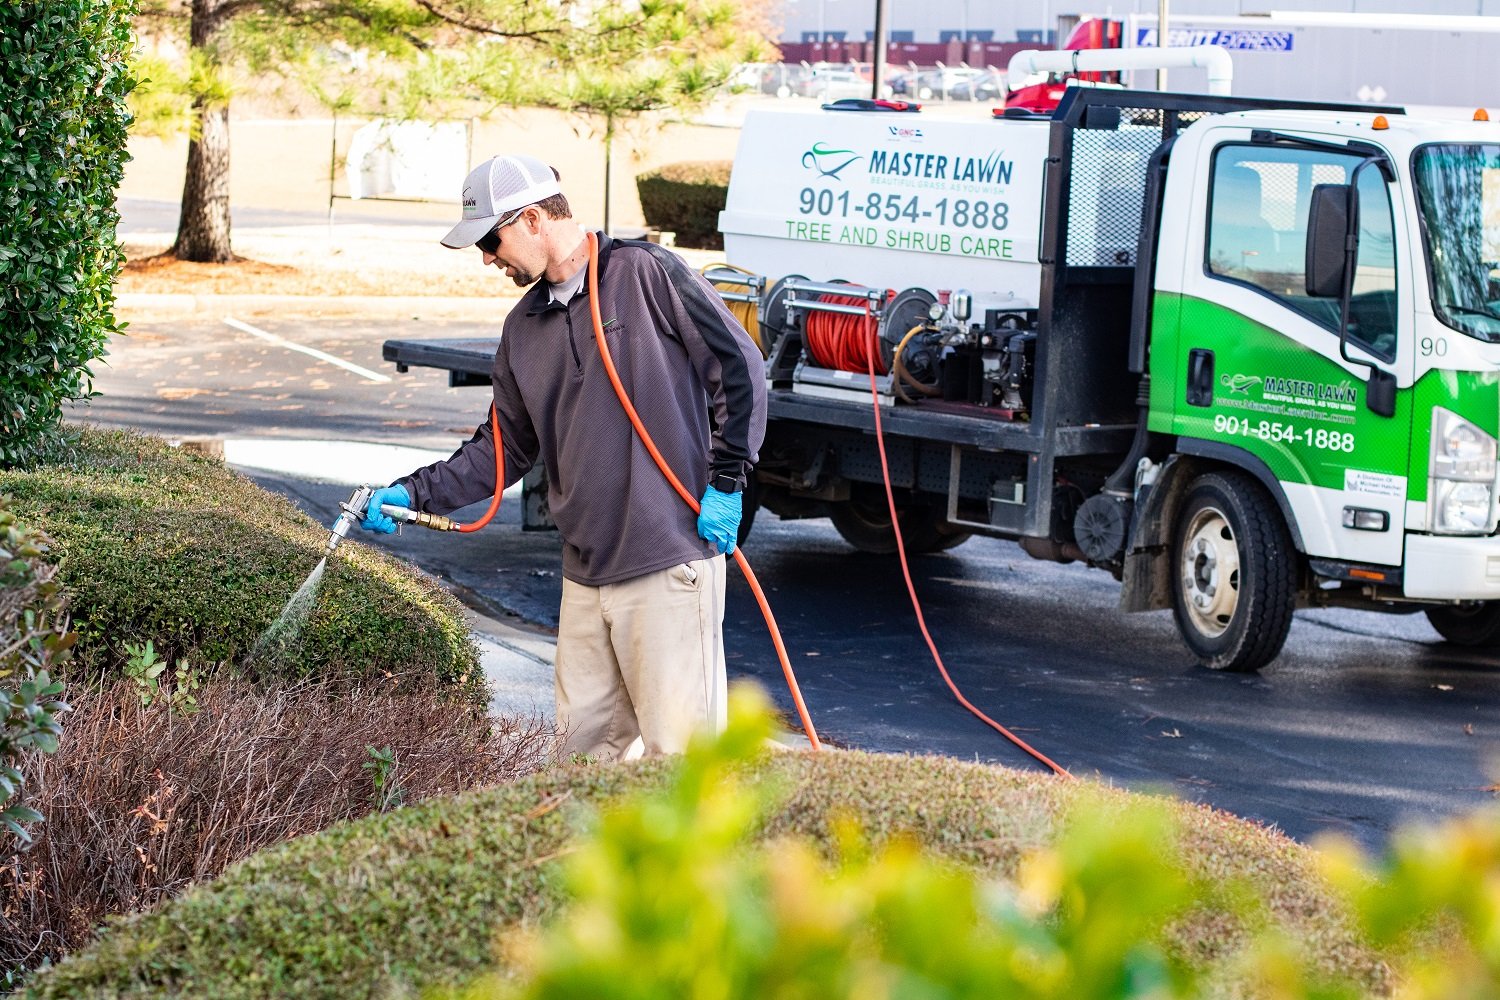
[1481, 115]
[1380, 123]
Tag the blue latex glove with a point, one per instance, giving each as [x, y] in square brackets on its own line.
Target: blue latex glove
[719, 520]
[374, 519]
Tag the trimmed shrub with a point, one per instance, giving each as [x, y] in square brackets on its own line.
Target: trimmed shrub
[413, 899]
[62, 153]
[673, 899]
[34, 641]
[687, 198]
[144, 801]
[179, 550]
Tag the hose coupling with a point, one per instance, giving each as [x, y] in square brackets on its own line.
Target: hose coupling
[436, 522]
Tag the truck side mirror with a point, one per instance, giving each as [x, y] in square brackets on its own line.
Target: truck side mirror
[1327, 229]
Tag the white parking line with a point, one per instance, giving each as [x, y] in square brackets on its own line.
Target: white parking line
[310, 351]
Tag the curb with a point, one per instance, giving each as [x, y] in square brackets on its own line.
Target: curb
[144, 304]
[517, 665]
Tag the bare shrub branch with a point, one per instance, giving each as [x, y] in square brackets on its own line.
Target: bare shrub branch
[142, 802]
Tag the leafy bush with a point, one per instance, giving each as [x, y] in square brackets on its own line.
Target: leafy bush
[178, 550]
[62, 153]
[412, 899]
[687, 198]
[34, 641]
[144, 800]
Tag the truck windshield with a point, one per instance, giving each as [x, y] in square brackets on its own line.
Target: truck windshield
[1458, 190]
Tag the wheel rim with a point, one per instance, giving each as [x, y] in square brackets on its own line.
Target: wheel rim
[877, 517]
[1210, 572]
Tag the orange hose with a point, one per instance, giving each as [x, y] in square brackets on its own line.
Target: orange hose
[911, 589]
[688, 498]
[499, 476]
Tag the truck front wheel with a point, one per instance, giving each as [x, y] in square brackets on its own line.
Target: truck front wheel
[1234, 570]
[1468, 624]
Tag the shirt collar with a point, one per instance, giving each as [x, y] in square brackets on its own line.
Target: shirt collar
[539, 297]
[563, 291]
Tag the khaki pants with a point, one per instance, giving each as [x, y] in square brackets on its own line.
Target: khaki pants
[642, 658]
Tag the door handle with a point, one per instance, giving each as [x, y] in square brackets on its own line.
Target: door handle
[1200, 379]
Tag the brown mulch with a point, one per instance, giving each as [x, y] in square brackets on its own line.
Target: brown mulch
[357, 261]
[313, 268]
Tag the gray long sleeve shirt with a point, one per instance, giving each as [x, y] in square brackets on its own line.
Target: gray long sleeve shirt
[679, 353]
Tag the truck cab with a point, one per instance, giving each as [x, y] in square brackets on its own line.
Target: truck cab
[1367, 412]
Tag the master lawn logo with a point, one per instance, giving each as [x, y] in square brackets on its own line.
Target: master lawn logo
[1328, 395]
[991, 169]
[1239, 383]
[1338, 396]
[828, 162]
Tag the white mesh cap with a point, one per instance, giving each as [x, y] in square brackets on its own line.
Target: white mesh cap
[494, 189]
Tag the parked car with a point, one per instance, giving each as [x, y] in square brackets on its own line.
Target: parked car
[832, 83]
[896, 79]
[988, 85]
[937, 84]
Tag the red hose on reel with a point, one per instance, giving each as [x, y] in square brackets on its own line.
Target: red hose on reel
[838, 340]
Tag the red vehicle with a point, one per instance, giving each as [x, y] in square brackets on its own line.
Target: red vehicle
[1095, 33]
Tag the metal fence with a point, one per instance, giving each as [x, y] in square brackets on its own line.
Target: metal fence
[1107, 182]
[910, 81]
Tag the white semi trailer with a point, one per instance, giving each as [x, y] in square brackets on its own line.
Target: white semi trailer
[1411, 59]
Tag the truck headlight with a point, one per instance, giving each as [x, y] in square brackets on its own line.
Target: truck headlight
[1462, 507]
[1461, 490]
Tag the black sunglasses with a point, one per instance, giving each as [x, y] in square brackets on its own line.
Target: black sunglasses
[490, 241]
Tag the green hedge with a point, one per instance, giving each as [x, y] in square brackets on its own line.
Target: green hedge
[62, 153]
[178, 549]
[686, 198]
[403, 902]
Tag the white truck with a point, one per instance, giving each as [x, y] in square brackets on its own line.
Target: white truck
[1243, 355]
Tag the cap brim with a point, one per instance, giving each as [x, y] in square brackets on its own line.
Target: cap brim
[468, 232]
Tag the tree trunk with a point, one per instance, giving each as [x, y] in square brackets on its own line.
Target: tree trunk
[203, 226]
[609, 143]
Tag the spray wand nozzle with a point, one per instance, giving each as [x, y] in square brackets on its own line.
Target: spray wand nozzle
[353, 511]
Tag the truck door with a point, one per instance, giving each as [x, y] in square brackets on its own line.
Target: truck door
[1258, 359]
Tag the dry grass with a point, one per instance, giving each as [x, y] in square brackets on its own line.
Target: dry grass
[316, 264]
[141, 803]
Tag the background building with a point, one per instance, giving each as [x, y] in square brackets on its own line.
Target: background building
[920, 21]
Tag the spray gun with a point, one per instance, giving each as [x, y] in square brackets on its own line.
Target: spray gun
[353, 510]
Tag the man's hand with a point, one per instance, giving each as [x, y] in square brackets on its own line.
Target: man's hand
[374, 519]
[719, 519]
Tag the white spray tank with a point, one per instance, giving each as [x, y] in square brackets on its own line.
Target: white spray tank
[891, 200]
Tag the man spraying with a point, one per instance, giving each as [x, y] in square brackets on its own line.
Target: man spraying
[640, 649]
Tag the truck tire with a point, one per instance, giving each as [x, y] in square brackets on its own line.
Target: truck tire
[1234, 583]
[1468, 624]
[864, 521]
